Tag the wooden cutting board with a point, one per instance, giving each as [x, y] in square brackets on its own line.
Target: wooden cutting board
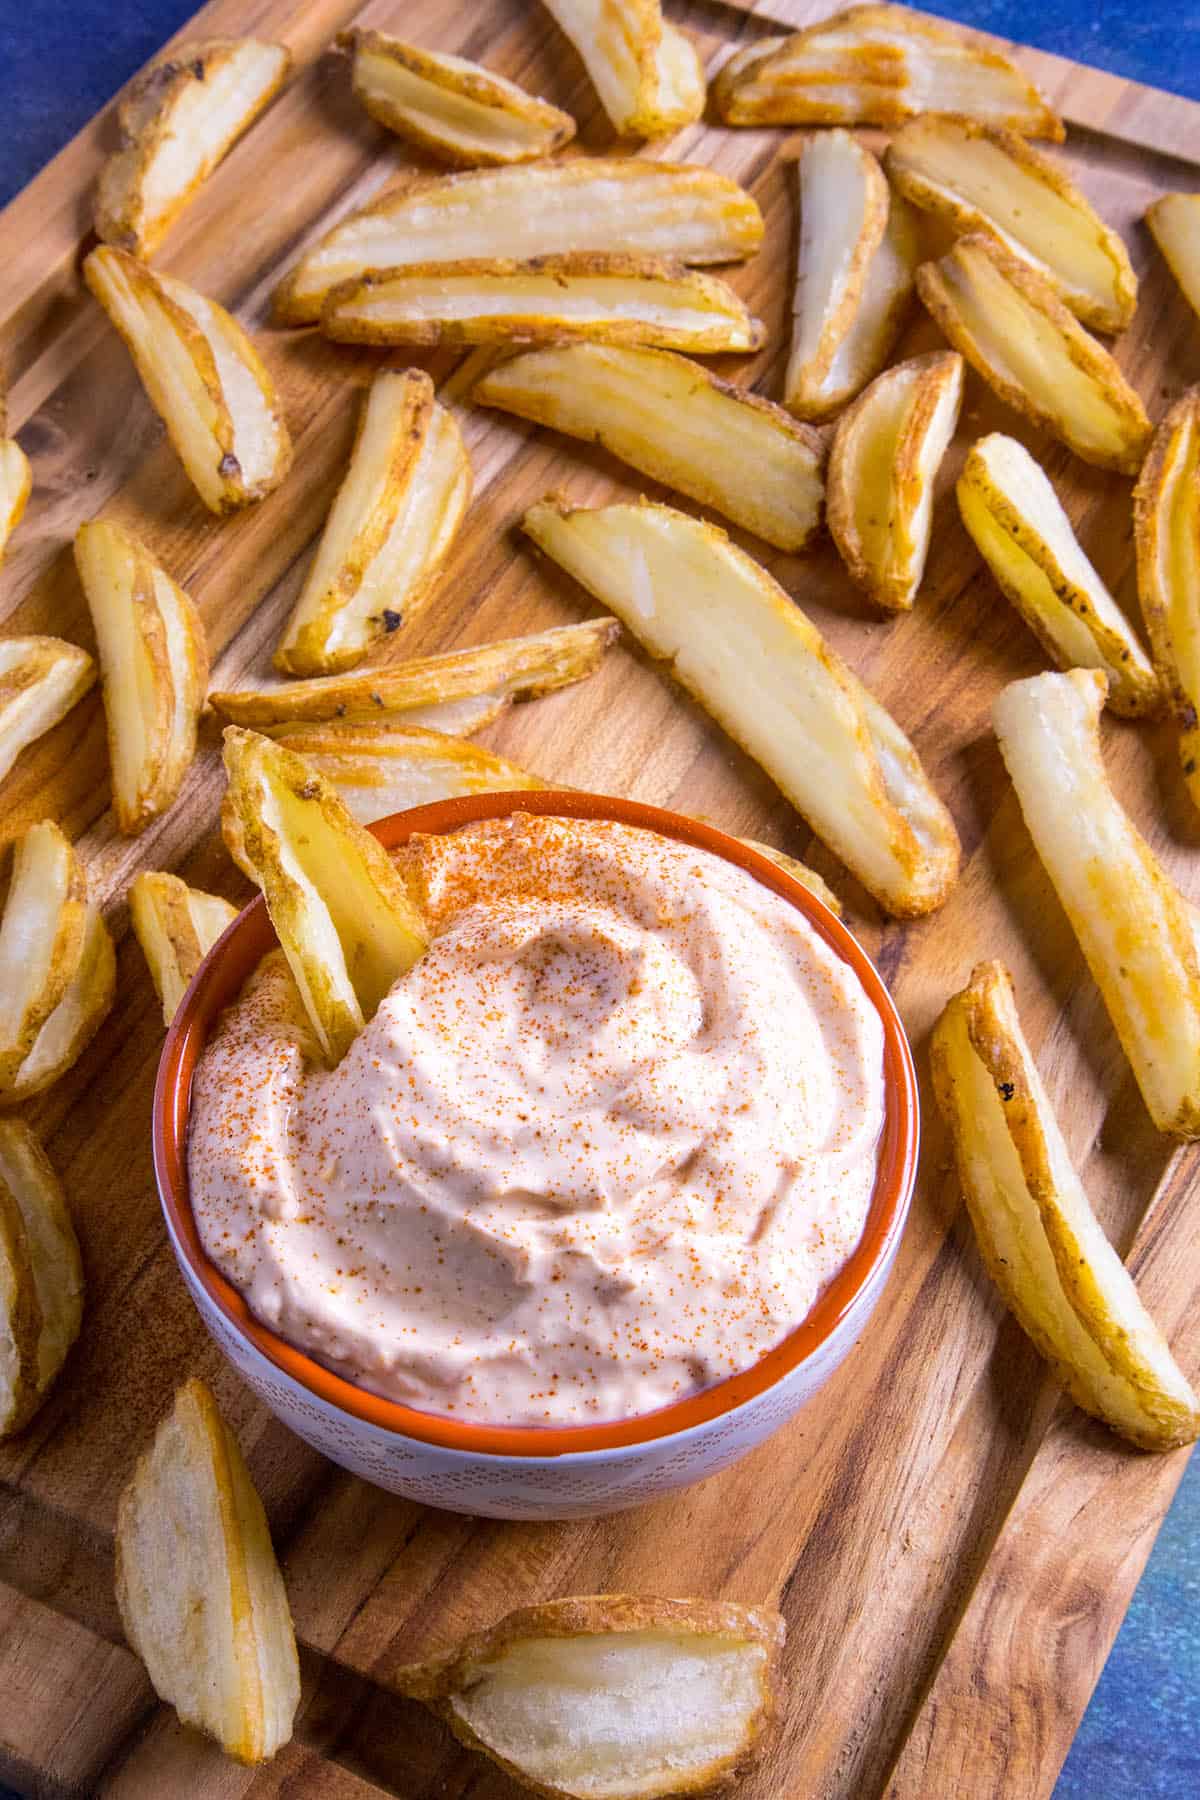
[953, 1547]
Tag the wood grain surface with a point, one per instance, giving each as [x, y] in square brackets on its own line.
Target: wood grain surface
[952, 1548]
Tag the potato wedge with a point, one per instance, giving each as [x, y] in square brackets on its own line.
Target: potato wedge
[202, 375]
[816, 884]
[178, 119]
[887, 450]
[522, 668]
[883, 307]
[1040, 1240]
[176, 926]
[41, 679]
[610, 1696]
[987, 179]
[41, 1276]
[400, 504]
[198, 1587]
[16, 485]
[1025, 537]
[843, 197]
[1134, 927]
[1166, 530]
[598, 204]
[1008, 322]
[609, 299]
[154, 664]
[1174, 221]
[41, 939]
[76, 1019]
[747, 653]
[342, 912]
[877, 65]
[647, 73]
[453, 108]
[678, 423]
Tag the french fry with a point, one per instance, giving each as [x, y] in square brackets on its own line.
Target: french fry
[816, 884]
[1025, 537]
[41, 1277]
[744, 649]
[1039, 1238]
[154, 664]
[176, 926]
[883, 307]
[1166, 531]
[592, 204]
[843, 197]
[453, 108]
[76, 1019]
[568, 1697]
[41, 940]
[1133, 925]
[987, 179]
[647, 73]
[198, 1587]
[877, 65]
[202, 375]
[341, 910]
[608, 299]
[887, 450]
[678, 423]
[1174, 221]
[16, 484]
[41, 679]
[1008, 322]
[395, 516]
[177, 121]
[521, 668]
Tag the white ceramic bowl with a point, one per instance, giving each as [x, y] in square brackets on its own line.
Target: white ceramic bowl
[516, 1472]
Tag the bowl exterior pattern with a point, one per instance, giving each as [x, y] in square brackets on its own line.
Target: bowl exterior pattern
[575, 1486]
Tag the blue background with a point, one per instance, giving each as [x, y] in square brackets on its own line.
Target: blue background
[61, 60]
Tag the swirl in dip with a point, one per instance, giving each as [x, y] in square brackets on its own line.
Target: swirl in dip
[602, 1147]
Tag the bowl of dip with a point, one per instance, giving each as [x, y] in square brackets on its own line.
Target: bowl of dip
[600, 1197]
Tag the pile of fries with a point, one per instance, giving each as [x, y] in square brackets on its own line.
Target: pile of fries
[588, 277]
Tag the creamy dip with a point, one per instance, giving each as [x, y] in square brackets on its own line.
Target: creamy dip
[602, 1147]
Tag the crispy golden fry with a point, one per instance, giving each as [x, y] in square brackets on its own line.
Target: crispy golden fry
[454, 108]
[177, 926]
[609, 299]
[202, 375]
[843, 197]
[75, 1020]
[41, 679]
[1174, 220]
[744, 649]
[177, 121]
[16, 485]
[154, 663]
[41, 1276]
[400, 504]
[1013, 329]
[41, 940]
[985, 178]
[647, 73]
[1166, 529]
[521, 668]
[1025, 537]
[1134, 926]
[677, 423]
[590, 204]
[342, 912]
[199, 1590]
[877, 65]
[610, 1696]
[885, 303]
[887, 450]
[816, 884]
[1040, 1240]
